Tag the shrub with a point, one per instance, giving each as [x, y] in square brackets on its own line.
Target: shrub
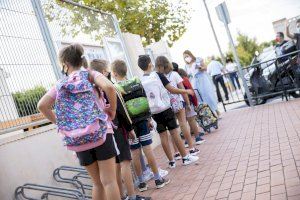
[26, 101]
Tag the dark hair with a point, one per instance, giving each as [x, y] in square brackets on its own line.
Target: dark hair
[162, 61]
[72, 54]
[143, 62]
[182, 73]
[280, 34]
[229, 59]
[175, 66]
[298, 20]
[188, 52]
[99, 65]
[119, 67]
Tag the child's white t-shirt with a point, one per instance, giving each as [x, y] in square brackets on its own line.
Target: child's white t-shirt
[175, 79]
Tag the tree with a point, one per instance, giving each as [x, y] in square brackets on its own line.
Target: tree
[151, 19]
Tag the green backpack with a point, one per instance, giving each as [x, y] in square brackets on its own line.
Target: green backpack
[135, 97]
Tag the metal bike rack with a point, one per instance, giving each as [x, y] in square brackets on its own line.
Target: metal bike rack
[47, 191]
[79, 173]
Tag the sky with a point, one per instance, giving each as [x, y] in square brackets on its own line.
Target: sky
[251, 17]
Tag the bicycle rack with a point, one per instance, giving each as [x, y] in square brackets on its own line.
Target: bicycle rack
[80, 173]
[48, 191]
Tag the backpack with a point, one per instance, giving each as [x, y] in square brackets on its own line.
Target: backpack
[157, 94]
[79, 118]
[176, 103]
[135, 98]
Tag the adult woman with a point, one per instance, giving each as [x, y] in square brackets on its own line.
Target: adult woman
[200, 80]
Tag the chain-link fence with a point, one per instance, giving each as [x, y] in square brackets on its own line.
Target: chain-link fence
[31, 32]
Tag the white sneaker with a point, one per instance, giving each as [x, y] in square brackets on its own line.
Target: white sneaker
[172, 164]
[190, 159]
[162, 172]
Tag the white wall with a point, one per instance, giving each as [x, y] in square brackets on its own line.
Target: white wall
[135, 48]
[160, 48]
[8, 110]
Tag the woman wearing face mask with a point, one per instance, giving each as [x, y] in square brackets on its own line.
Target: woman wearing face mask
[196, 70]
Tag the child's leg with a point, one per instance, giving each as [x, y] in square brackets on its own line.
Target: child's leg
[194, 125]
[98, 189]
[119, 179]
[136, 153]
[127, 176]
[164, 138]
[178, 141]
[181, 116]
[150, 158]
[107, 169]
[143, 163]
[174, 146]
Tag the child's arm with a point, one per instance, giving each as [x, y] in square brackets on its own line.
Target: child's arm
[45, 107]
[174, 90]
[102, 82]
[185, 96]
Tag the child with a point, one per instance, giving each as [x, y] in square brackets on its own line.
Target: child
[82, 122]
[164, 66]
[142, 130]
[122, 121]
[157, 86]
[191, 115]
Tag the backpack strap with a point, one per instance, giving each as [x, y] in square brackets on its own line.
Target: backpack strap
[123, 104]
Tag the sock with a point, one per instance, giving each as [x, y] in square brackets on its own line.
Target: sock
[143, 163]
[133, 197]
[186, 157]
[172, 160]
[192, 149]
[141, 179]
[157, 176]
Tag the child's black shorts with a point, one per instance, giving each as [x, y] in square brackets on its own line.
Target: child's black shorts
[103, 152]
[165, 121]
[123, 146]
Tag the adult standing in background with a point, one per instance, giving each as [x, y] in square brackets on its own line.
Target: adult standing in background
[231, 69]
[215, 69]
[200, 80]
[295, 36]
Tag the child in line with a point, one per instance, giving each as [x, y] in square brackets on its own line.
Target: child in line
[143, 140]
[124, 126]
[164, 66]
[191, 115]
[85, 128]
[156, 86]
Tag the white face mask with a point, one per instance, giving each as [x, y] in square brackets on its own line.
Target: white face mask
[188, 59]
[298, 29]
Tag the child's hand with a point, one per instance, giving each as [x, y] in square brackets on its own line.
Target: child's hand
[190, 92]
[188, 108]
[111, 113]
[131, 135]
[150, 125]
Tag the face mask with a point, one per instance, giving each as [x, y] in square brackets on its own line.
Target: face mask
[63, 71]
[188, 59]
[298, 29]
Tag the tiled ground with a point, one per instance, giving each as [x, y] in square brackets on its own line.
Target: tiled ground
[255, 154]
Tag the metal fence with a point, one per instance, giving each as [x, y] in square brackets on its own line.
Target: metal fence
[31, 32]
[278, 76]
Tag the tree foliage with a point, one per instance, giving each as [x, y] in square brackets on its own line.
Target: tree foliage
[246, 48]
[151, 19]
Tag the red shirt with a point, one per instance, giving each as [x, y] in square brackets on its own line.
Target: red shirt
[187, 84]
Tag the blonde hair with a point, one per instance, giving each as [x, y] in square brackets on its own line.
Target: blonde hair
[119, 67]
[99, 65]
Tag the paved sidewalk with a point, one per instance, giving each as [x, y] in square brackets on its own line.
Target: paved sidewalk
[255, 154]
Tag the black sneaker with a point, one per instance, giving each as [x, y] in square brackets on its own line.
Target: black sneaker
[160, 183]
[194, 151]
[138, 197]
[172, 164]
[143, 187]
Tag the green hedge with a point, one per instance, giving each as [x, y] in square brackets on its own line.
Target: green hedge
[26, 102]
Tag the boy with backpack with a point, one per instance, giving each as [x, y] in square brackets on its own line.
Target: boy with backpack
[122, 132]
[156, 86]
[138, 108]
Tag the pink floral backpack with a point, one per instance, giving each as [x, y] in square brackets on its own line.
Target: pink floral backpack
[79, 119]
